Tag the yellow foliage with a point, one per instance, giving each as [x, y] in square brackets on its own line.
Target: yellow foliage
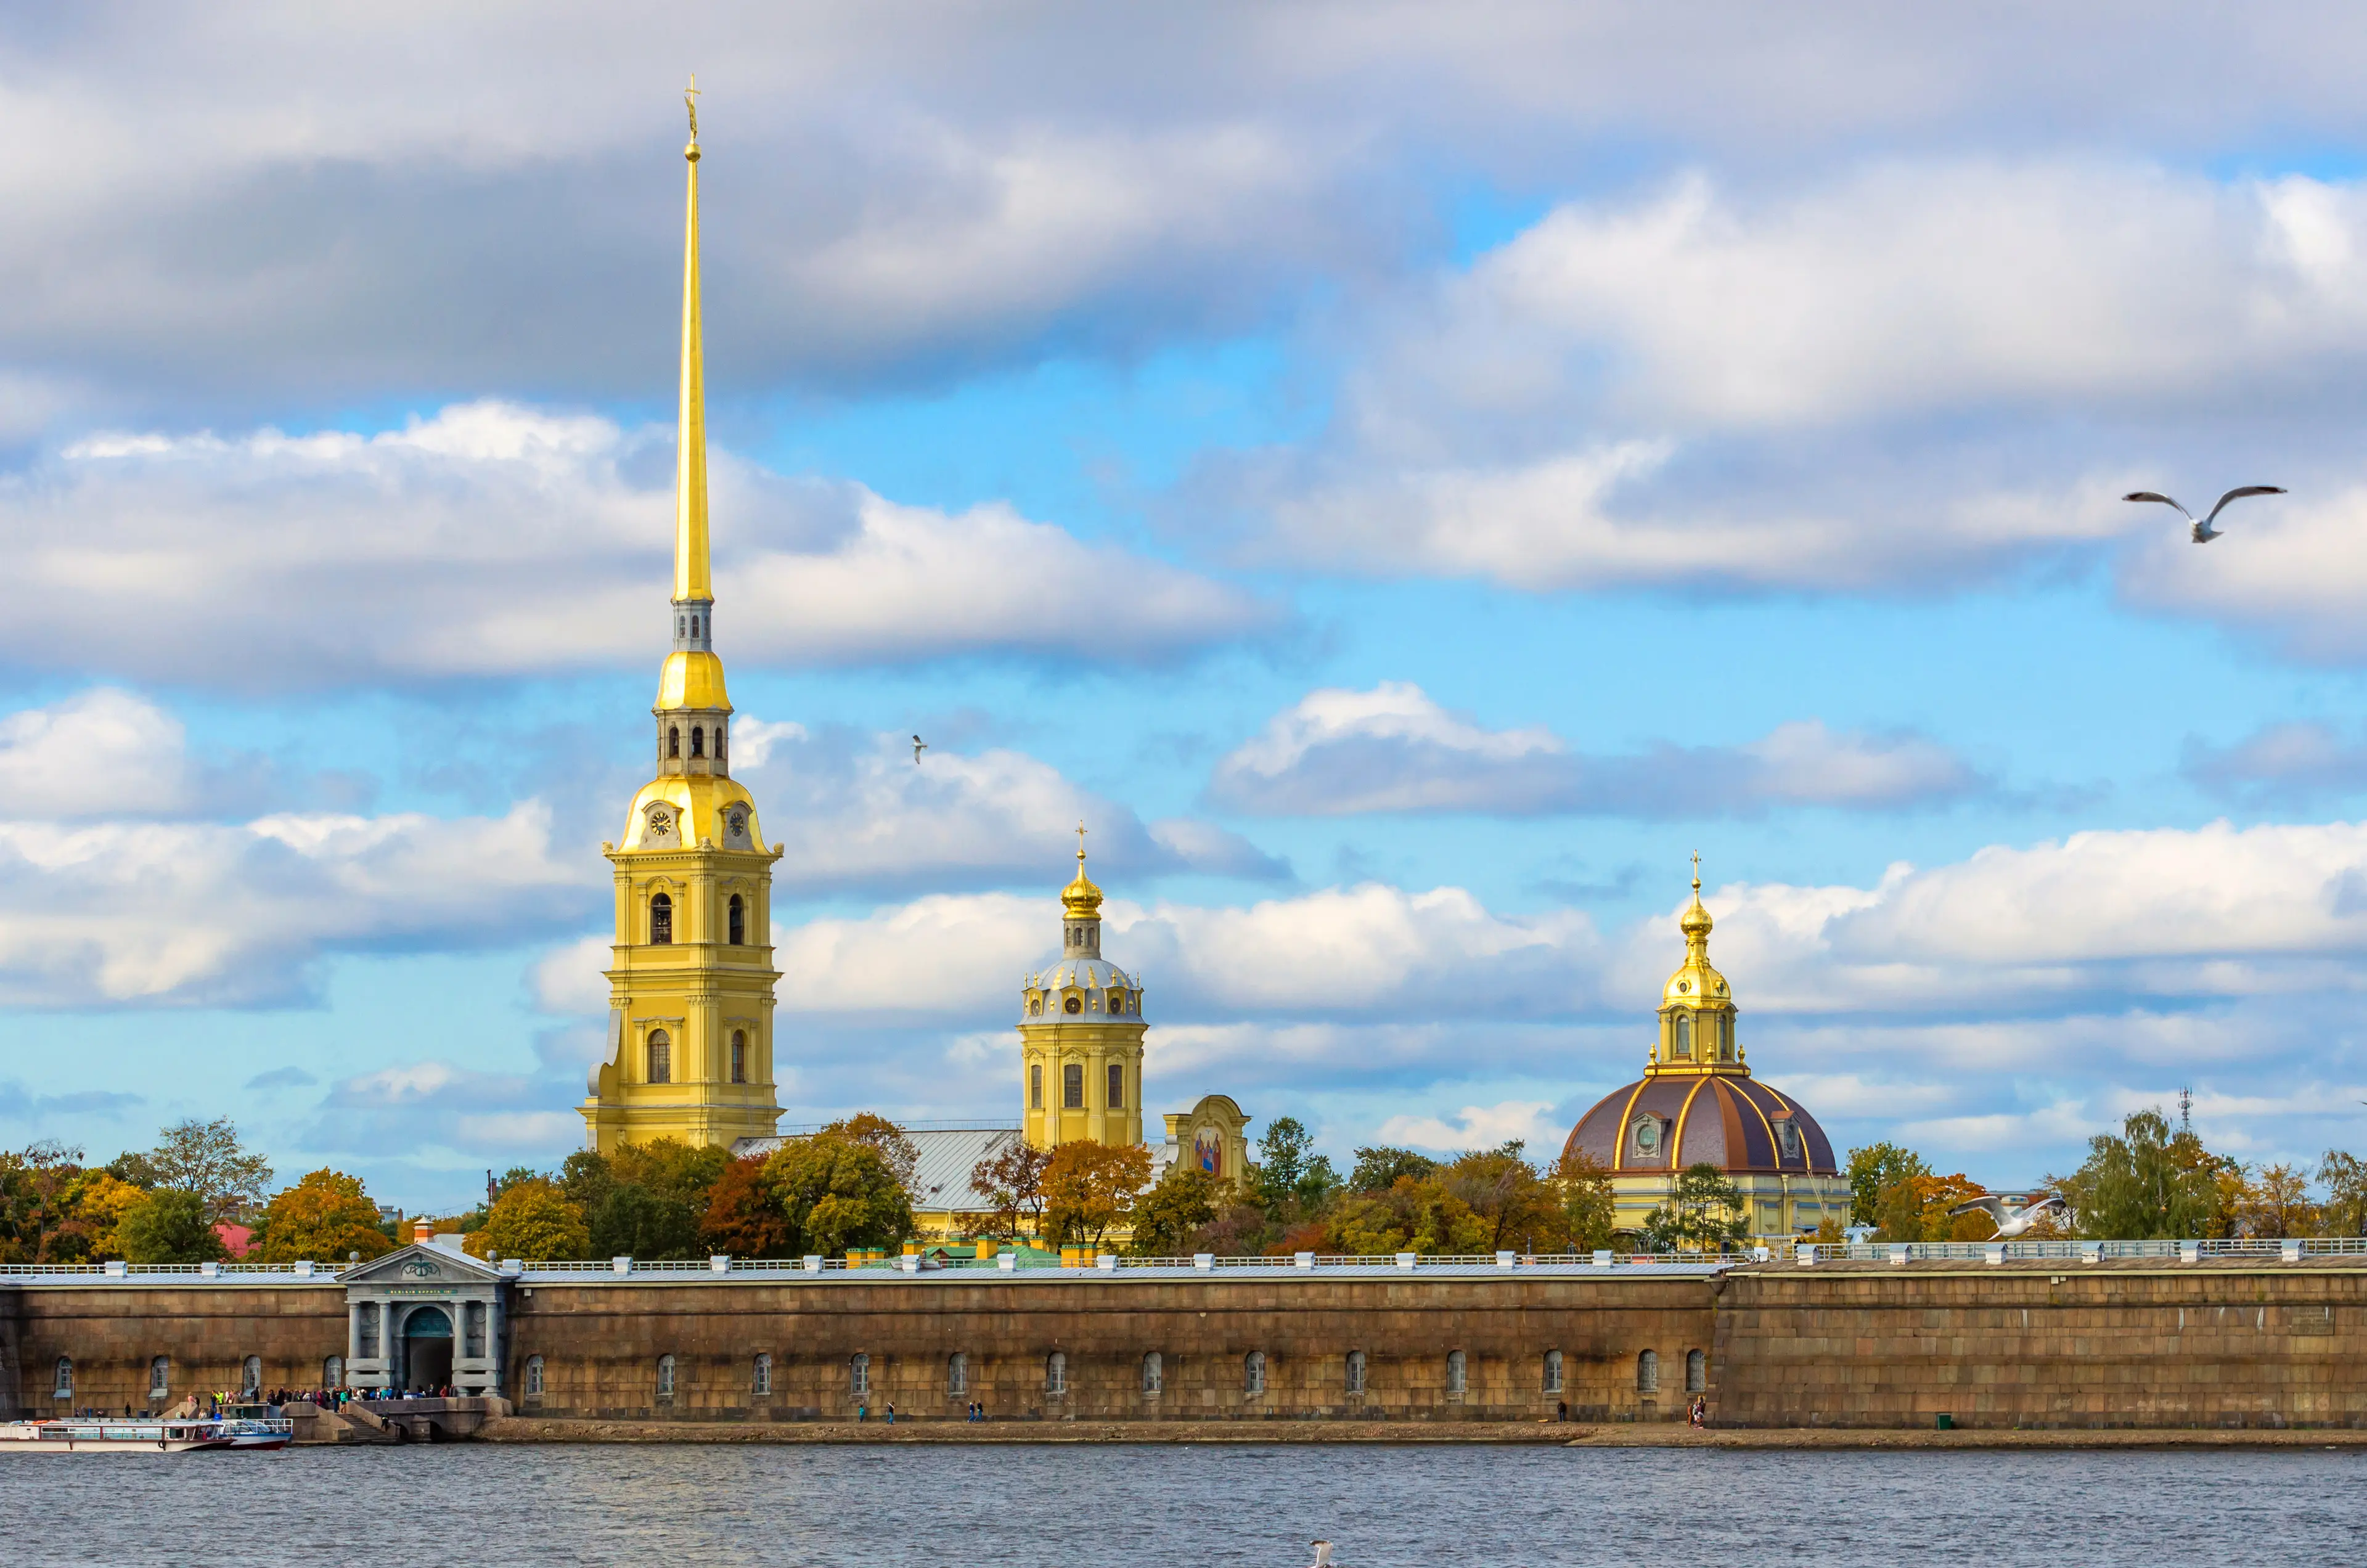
[325, 1217]
[532, 1220]
[101, 1201]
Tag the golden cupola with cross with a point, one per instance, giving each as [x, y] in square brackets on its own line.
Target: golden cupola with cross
[1080, 1033]
[690, 1009]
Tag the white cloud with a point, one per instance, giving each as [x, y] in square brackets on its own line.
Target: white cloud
[234, 914]
[503, 540]
[104, 752]
[1353, 952]
[1481, 1126]
[2290, 574]
[857, 811]
[1393, 749]
[1815, 385]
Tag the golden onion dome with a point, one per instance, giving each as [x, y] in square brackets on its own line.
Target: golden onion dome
[1696, 982]
[1081, 899]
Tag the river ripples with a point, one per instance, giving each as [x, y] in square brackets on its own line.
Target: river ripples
[1084, 1507]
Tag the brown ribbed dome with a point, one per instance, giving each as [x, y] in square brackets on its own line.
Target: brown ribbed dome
[1731, 1121]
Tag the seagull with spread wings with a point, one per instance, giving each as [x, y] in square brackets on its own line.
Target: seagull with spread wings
[2010, 1222]
[919, 746]
[2203, 532]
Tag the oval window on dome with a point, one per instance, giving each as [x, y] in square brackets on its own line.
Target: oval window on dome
[1683, 987]
[1075, 1004]
[1648, 1135]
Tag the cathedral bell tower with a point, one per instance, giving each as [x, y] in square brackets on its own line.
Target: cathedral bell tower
[1081, 1034]
[690, 1006]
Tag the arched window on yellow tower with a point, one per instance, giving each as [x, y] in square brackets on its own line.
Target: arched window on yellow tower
[1684, 1036]
[1117, 1086]
[661, 921]
[736, 919]
[739, 1055]
[1072, 1086]
[661, 1058]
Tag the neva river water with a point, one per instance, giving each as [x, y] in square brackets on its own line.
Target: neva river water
[1084, 1507]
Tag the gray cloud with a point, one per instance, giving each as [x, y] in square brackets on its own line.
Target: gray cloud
[2284, 763]
[1393, 750]
[331, 205]
[19, 1104]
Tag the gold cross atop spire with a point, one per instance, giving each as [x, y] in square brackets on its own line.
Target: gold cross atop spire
[1696, 871]
[690, 102]
[1081, 843]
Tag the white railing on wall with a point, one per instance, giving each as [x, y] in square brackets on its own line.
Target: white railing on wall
[2294, 1249]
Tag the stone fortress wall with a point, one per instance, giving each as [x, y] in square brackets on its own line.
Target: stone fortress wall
[2227, 1343]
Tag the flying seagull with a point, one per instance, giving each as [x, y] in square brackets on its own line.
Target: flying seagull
[2203, 532]
[919, 746]
[2010, 1222]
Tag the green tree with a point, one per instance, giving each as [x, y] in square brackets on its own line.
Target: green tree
[1292, 1178]
[2147, 1182]
[1378, 1169]
[743, 1216]
[135, 1168]
[205, 1158]
[169, 1227]
[2344, 1177]
[326, 1216]
[535, 1220]
[839, 1193]
[634, 1221]
[1704, 1212]
[878, 1133]
[672, 1169]
[1167, 1217]
[586, 1179]
[1589, 1203]
[1871, 1169]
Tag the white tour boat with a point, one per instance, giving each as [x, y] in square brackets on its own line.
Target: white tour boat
[134, 1435]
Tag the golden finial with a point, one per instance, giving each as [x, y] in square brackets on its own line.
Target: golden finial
[1696, 921]
[690, 102]
[1080, 897]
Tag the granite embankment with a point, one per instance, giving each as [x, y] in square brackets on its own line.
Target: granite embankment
[1621, 1435]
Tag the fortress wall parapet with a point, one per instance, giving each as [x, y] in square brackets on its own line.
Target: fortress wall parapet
[2226, 1342]
[2218, 1343]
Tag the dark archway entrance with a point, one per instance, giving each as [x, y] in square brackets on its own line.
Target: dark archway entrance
[427, 1348]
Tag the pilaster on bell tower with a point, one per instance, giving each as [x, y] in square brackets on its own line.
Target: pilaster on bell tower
[690, 1009]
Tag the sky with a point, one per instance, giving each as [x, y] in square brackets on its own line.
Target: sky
[1408, 477]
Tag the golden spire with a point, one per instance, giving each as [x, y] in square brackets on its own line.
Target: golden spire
[1081, 899]
[690, 575]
